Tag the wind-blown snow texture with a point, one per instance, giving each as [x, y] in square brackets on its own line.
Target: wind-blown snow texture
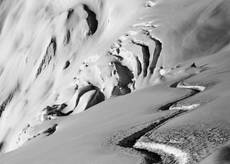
[60, 58]
[55, 60]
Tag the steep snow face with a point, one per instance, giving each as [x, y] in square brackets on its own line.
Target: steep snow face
[48, 53]
[61, 57]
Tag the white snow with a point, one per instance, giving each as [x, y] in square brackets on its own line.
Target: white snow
[150, 3]
[48, 56]
[33, 77]
[180, 156]
[194, 87]
[184, 107]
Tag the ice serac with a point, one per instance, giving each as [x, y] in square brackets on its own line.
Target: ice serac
[60, 58]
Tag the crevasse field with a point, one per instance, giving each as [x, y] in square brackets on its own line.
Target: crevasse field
[114, 82]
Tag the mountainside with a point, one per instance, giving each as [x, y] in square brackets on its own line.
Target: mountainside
[105, 81]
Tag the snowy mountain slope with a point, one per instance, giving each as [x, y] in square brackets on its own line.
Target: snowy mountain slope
[43, 56]
[107, 133]
[61, 58]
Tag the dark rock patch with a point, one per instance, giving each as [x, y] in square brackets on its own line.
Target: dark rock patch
[91, 20]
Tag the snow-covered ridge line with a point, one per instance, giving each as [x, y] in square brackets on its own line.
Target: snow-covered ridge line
[180, 156]
[193, 87]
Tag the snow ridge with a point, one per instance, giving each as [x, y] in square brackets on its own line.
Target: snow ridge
[180, 156]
